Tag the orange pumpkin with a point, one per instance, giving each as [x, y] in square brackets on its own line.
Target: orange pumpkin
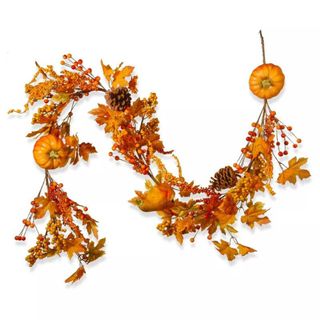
[266, 81]
[157, 198]
[49, 152]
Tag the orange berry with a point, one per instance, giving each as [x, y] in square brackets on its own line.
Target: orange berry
[299, 140]
[116, 158]
[192, 240]
[289, 128]
[110, 154]
[272, 113]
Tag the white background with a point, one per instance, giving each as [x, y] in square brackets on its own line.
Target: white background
[197, 56]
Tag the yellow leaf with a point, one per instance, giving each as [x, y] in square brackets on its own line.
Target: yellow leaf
[244, 250]
[107, 71]
[76, 276]
[120, 77]
[255, 214]
[224, 248]
[293, 171]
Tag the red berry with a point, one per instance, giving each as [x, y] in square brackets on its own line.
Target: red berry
[295, 145]
[280, 154]
[285, 152]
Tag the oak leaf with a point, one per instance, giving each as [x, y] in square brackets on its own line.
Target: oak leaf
[76, 276]
[224, 248]
[293, 171]
[255, 214]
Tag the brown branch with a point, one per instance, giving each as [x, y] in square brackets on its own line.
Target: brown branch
[263, 49]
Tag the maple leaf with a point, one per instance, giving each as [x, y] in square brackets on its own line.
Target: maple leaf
[95, 251]
[227, 211]
[120, 77]
[293, 171]
[224, 248]
[76, 275]
[107, 71]
[85, 149]
[133, 84]
[44, 205]
[254, 214]
[244, 250]
[74, 246]
[91, 226]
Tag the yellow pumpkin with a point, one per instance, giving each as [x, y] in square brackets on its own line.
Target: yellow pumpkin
[49, 152]
[266, 81]
[157, 198]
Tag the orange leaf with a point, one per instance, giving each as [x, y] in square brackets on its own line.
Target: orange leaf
[261, 146]
[76, 276]
[244, 250]
[294, 171]
[75, 246]
[44, 205]
[224, 248]
[107, 71]
[85, 149]
[120, 77]
[254, 214]
[133, 84]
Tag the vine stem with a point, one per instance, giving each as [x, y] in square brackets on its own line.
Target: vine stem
[263, 49]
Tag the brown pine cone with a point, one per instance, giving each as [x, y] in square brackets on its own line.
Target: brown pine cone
[223, 179]
[119, 98]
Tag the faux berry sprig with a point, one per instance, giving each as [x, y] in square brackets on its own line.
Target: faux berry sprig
[69, 227]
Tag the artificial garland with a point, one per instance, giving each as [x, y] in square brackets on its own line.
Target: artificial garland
[58, 95]
[132, 123]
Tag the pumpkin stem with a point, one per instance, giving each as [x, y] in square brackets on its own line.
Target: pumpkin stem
[266, 83]
[53, 154]
[263, 50]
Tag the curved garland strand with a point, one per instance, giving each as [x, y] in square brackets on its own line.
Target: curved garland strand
[58, 94]
[184, 208]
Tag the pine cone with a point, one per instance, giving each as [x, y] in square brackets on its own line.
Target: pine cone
[119, 98]
[223, 179]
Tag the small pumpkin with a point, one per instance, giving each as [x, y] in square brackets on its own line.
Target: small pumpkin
[49, 152]
[266, 81]
[157, 198]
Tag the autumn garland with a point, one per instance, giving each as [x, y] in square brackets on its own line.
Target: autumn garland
[134, 127]
[55, 147]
